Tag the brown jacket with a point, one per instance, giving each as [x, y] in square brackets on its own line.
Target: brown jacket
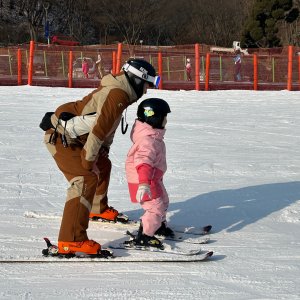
[108, 101]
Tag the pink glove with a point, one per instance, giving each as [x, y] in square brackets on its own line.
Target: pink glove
[143, 193]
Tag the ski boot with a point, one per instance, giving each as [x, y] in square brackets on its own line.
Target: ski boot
[165, 231]
[87, 247]
[84, 249]
[148, 241]
[142, 240]
[109, 215]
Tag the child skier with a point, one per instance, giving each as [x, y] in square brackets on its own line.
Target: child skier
[145, 167]
[188, 69]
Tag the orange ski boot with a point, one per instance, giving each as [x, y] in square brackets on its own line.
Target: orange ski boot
[87, 247]
[111, 215]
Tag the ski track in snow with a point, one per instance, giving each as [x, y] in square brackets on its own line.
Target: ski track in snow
[233, 161]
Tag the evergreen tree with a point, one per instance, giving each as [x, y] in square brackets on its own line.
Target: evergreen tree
[262, 26]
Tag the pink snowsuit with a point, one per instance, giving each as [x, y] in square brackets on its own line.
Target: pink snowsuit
[188, 68]
[85, 69]
[146, 163]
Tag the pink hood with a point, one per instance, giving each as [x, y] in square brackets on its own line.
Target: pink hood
[140, 130]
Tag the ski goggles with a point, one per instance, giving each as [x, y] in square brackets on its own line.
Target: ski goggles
[153, 80]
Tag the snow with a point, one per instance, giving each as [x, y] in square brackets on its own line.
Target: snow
[233, 162]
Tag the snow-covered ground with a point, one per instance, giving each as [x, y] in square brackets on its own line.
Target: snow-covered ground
[233, 161]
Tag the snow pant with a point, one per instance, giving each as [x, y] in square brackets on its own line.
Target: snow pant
[155, 212]
[237, 72]
[87, 192]
[189, 75]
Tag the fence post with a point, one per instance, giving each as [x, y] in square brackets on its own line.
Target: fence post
[119, 57]
[255, 72]
[70, 69]
[207, 71]
[63, 63]
[290, 68]
[273, 69]
[221, 69]
[114, 62]
[45, 64]
[168, 67]
[299, 69]
[197, 67]
[19, 67]
[160, 69]
[30, 66]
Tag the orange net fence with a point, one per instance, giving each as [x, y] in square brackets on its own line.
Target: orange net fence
[52, 63]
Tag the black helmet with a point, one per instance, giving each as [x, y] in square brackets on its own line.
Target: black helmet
[153, 111]
[139, 71]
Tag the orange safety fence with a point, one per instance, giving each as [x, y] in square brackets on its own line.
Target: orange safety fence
[40, 64]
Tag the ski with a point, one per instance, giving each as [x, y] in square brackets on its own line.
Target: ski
[167, 250]
[176, 228]
[139, 254]
[194, 230]
[180, 237]
[127, 223]
[124, 258]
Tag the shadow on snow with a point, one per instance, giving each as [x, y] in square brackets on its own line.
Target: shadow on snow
[231, 210]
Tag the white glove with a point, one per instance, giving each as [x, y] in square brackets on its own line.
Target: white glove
[143, 190]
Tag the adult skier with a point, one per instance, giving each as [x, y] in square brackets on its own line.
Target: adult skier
[79, 135]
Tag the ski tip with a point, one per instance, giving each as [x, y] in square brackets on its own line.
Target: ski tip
[47, 241]
[207, 228]
[49, 244]
[209, 254]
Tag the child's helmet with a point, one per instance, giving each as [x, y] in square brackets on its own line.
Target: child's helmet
[153, 111]
[139, 71]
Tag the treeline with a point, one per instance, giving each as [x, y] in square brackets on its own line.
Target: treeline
[257, 23]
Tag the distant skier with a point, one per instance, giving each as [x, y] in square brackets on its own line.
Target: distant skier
[85, 68]
[145, 167]
[237, 65]
[188, 69]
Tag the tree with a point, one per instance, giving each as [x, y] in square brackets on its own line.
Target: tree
[218, 22]
[261, 29]
[130, 18]
[34, 12]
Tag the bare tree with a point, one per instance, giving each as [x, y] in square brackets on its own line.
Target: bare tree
[218, 22]
[34, 12]
[130, 18]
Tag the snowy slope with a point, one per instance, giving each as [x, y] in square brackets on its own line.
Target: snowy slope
[233, 161]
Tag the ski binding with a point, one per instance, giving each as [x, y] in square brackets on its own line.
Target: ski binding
[52, 251]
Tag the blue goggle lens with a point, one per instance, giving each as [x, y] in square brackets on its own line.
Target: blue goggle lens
[156, 81]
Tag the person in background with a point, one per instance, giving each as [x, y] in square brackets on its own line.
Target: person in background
[85, 68]
[188, 69]
[237, 65]
[78, 136]
[99, 65]
[145, 167]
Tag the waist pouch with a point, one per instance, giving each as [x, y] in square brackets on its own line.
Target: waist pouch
[46, 121]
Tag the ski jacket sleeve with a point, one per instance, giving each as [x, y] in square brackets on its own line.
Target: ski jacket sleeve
[145, 173]
[107, 121]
